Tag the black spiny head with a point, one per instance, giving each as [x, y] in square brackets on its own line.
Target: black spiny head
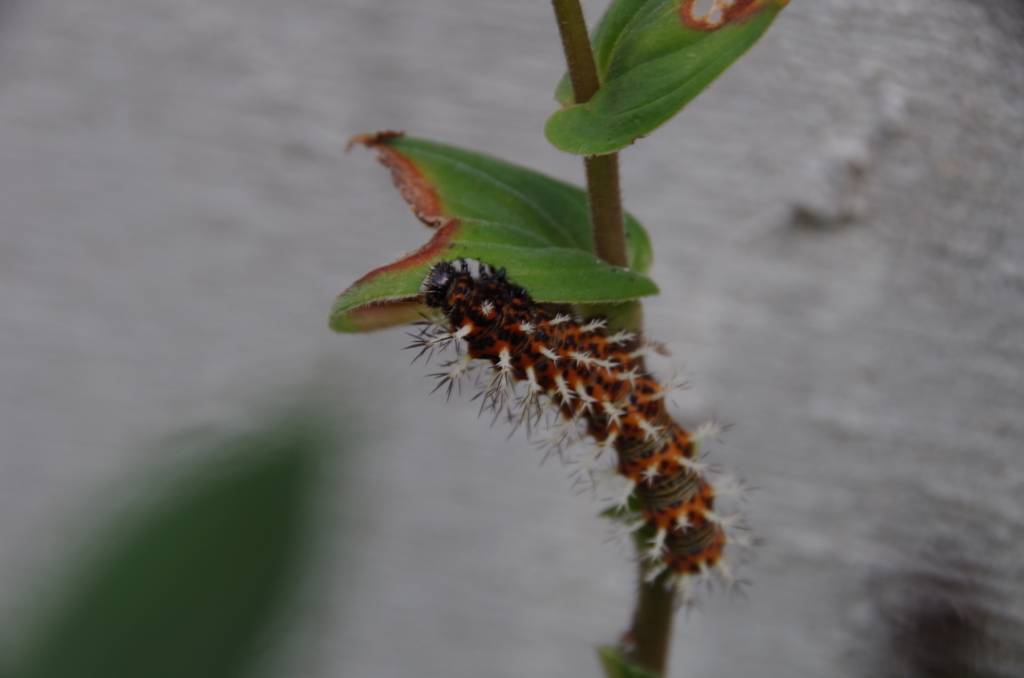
[437, 284]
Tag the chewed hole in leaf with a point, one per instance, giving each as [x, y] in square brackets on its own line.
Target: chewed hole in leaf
[708, 10]
[708, 15]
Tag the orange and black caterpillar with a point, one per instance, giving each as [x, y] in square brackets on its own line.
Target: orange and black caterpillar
[586, 375]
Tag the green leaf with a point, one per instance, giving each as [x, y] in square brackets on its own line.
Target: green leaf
[616, 666]
[536, 227]
[653, 57]
[193, 582]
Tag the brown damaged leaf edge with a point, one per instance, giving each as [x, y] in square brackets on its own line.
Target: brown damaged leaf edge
[399, 309]
[412, 185]
[734, 12]
[428, 254]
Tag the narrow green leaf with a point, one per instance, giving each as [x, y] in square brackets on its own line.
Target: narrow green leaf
[536, 227]
[654, 57]
[617, 666]
[191, 585]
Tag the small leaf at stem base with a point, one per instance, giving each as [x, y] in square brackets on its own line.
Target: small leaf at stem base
[617, 666]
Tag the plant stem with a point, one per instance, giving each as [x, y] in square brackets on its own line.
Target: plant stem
[652, 620]
[606, 208]
[603, 192]
[578, 55]
[652, 627]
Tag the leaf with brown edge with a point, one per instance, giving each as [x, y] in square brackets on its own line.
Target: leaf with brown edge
[536, 227]
[653, 57]
[410, 182]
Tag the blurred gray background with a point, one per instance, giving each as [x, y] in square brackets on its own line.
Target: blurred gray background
[839, 244]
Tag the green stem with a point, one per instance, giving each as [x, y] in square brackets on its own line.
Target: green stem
[603, 192]
[652, 620]
[606, 208]
[578, 54]
[651, 633]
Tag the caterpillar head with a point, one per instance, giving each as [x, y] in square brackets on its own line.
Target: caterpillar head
[438, 282]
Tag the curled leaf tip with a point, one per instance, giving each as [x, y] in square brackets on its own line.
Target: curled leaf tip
[378, 315]
[415, 189]
[390, 295]
[723, 12]
[370, 140]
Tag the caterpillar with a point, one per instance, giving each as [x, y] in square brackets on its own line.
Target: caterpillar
[598, 381]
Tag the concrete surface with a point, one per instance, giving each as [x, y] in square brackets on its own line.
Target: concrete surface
[839, 229]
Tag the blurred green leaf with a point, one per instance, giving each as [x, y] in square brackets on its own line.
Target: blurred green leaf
[616, 666]
[194, 583]
[504, 215]
[653, 57]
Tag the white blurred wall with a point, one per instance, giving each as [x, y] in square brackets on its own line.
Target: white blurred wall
[839, 232]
